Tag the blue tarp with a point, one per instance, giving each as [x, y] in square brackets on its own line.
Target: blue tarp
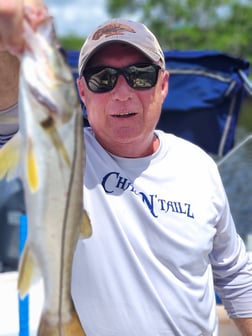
[205, 96]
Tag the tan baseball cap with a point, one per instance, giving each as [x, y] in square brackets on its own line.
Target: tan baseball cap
[120, 30]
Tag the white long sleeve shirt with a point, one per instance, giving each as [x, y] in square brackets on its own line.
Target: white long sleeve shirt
[162, 229]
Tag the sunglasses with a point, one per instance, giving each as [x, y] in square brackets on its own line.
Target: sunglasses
[138, 76]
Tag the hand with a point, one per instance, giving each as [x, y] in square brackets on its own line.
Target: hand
[11, 23]
[12, 13]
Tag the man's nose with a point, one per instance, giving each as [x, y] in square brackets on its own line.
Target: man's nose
[122, 90]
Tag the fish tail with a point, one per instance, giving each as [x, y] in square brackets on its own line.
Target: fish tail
[70, 328]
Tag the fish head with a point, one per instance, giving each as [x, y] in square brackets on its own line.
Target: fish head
[46, 76]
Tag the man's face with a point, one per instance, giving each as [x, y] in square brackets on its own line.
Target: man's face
[123, 116]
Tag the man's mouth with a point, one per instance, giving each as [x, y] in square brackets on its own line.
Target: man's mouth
[124, 115]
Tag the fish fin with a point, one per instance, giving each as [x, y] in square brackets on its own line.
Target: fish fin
[70, 328]
[86, 228]
[10, 157]
[31, 168]
[27, 272]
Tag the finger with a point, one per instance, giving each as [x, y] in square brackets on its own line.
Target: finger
[11, 23]
[34, 3]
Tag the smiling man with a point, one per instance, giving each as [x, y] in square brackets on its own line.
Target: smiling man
[123, 119]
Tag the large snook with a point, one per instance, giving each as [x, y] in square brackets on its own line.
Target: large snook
[50, 149]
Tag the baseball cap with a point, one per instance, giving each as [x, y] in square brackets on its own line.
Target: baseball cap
[121, 30]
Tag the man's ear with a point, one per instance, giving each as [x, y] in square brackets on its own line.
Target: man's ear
[165, 84]
[80, 85]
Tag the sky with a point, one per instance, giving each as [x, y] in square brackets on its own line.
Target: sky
[77, 17]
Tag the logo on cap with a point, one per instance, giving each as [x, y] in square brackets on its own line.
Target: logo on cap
[112, 29]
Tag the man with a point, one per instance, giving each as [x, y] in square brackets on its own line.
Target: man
[162, 228]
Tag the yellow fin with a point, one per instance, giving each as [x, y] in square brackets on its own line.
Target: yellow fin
[70, 328]
[86, 228]
[9, 157]
[26, 273]
[31, 168]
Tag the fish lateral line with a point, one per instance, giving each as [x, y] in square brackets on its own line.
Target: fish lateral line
[70, 328]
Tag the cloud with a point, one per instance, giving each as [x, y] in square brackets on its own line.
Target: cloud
[77, 17]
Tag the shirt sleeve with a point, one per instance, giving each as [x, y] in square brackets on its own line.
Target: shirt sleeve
[232, 266]
[8, 129]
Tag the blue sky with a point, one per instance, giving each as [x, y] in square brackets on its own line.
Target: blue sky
[77, 16]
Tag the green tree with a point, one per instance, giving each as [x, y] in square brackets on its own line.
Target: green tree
[71, 42]
[224, 25]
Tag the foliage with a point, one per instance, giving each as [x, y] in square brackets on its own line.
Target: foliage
[71, 42]
[245, 117]
[224, 25]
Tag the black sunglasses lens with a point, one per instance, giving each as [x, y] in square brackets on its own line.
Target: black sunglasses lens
[139, 77]
[101, 79]
[142, 76]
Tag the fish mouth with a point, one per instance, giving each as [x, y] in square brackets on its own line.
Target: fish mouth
[124, 115]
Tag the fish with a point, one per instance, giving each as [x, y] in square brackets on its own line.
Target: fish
[48, 153]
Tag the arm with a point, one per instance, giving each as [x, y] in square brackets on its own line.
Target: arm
[11, 44]
[9, 69]
[11, 40]
[244, 325]
[232, 270]
[232, 266]
[11, 23]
